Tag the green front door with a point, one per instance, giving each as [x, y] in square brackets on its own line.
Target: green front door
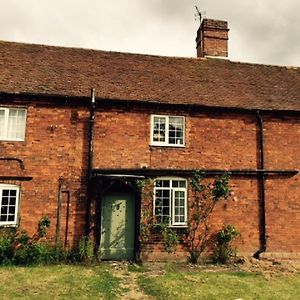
[118, 226]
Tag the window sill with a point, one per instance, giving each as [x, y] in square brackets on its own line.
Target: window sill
[10, 140]
[167, 145]
[178, 226]
[8, 225]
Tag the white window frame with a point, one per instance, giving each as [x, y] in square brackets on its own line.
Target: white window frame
[14, 188]
[172, 190]
[5, 137]
[166, 141]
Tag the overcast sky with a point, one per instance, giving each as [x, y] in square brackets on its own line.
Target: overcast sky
[261, 31]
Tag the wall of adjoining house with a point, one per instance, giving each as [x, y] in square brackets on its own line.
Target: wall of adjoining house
[56, 145]
[282, 144]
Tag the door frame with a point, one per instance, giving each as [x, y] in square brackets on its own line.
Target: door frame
[110, 184]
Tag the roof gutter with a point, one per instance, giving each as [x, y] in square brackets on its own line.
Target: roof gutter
[118, 101]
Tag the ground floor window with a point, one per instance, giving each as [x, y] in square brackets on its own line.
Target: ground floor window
[9, 201]
[170, 201]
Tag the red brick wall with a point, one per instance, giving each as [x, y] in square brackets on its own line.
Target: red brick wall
[54, 147]
[282, 143]
[122, 140]
[122, 137]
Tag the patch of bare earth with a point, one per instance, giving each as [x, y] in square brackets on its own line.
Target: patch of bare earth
[270, 267]
[267, 267]
[129, 284]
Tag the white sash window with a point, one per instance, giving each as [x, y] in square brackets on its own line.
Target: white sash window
[170, 201]
[12, 124]
[9, 203]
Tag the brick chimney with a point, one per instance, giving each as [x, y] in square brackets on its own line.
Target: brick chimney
[212, 38]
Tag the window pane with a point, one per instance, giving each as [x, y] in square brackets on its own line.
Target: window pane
[162, 205]
[175, 183]
[176, 126]
[4, 201]
[179, 183]
[16, 124]
[2, 123]
[12, 193]
[159, 129]
[11, 218]
[158, 183]
[3, 218]
[5, 193]
[166, 194]
[4, 210]
[182, 183]
[179, 206]
[162, 183]
[166, 211]
[11, 210]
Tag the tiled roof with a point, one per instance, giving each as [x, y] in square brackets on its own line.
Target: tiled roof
[39, 69]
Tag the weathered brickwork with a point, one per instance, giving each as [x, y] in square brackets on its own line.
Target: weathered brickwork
[282, 140]
[212, 38]
[56, 145]
[212, 141]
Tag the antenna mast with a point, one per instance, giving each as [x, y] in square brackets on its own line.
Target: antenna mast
[199, 14]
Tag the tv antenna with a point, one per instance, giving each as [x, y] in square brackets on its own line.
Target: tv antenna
[199, 14]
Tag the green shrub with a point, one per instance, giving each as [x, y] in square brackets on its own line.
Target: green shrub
[6, 250]
[84, 252]
[17, 247]
[36, 253]
[25, 255]
[169, 235]
[224, 252]
[7, 237]
[43, 225]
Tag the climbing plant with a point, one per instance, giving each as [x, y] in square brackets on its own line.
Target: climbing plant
[149, 225]
[203, 199]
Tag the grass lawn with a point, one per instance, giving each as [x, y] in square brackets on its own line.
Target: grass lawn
[58, 282]
[123, 281]
[221, 285]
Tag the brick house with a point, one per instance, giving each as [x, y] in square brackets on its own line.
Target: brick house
[76, 156]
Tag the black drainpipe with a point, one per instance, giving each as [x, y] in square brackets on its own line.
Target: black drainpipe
[262, 178]
[90, 161]
[58, 213]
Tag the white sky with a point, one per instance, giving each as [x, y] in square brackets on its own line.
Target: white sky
[261, 31]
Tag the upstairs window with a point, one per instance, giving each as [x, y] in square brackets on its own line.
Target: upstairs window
[167, 130]
[9, 201]
[12, 124]
[170, 201]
